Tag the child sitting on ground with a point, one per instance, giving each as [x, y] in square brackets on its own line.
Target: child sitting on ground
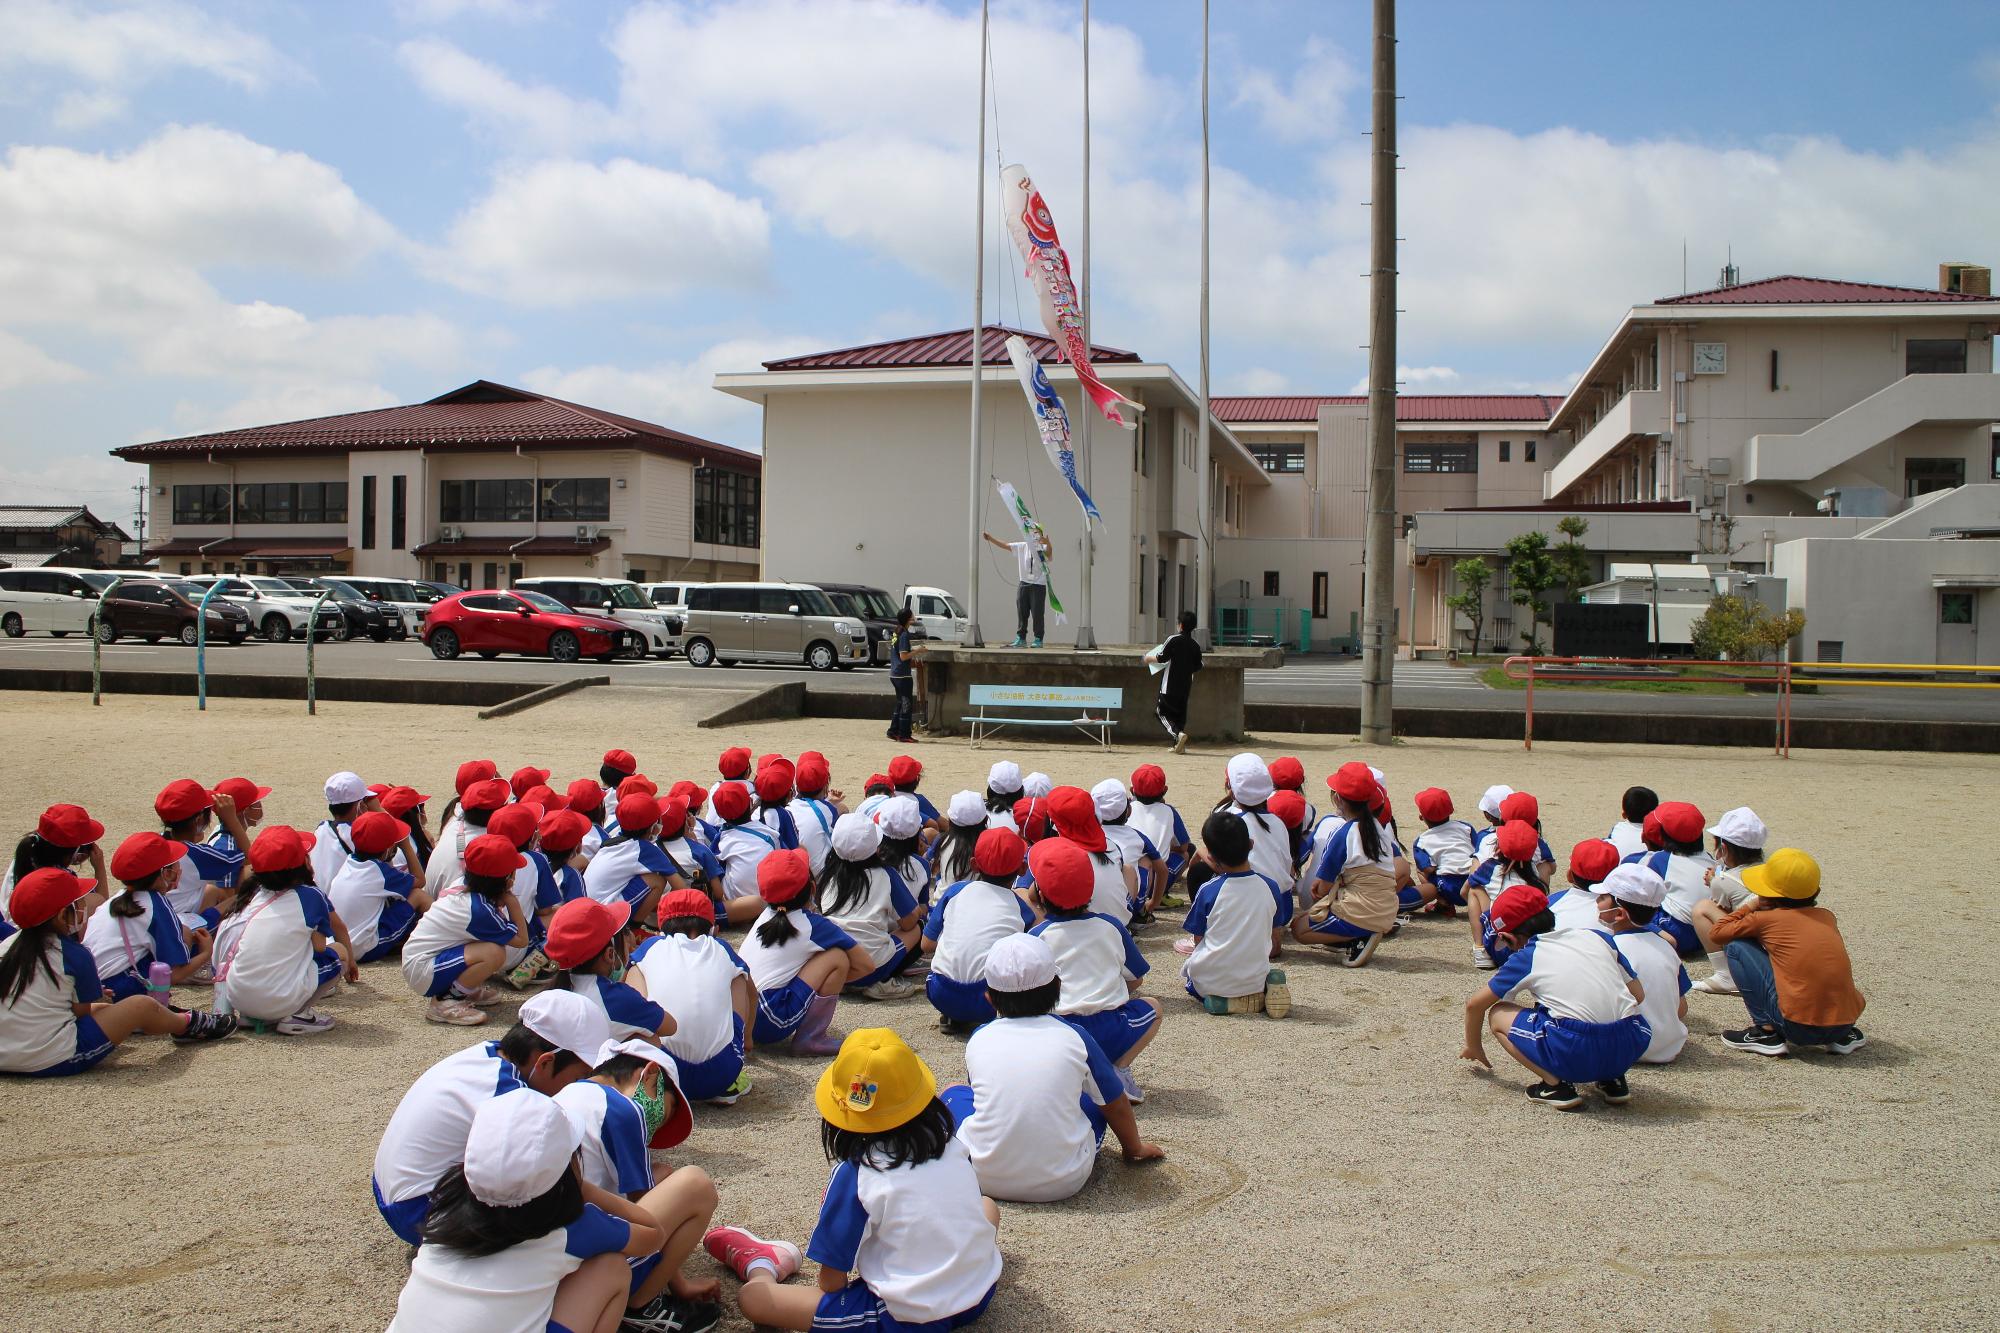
[1585, 1025]
[870, 904]
[1073, 814]
[464, 937]
[966, 921]
[1576, 907]
[1789, 960]
[1153, 816]
[903, 1213]
[695, 976]
[1100, 966]
[1353, 896]
[1626, 902]
[1514, 847]
[587, 942]
[630, 867]
[1133, 848]
[1739, 842]
[271, 948]
[1235, 920]
[1041, 1093]
[127, 934]
[1684, 864]
[798, 960]
[741, 844]
[1628, 834]
[902, 849]
[208, 876]
[378, 901]
[1442, 855]
[950, 856]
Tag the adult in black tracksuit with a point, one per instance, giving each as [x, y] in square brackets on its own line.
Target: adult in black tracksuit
[1182, 656]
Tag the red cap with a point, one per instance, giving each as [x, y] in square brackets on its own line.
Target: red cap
[1353, 782]
[1149, 780]
[999, 852]
[1434, 804]
[811, 754]
[693, 793]
[474, 770]
[1032, 818]
[1074, 814]
[244, 792]
[621, 761]
[144, 855]
[546, 798]
[1288, 774]
[764, 761]
[375, 788]
[1649, 830]
[735, 762]
[686, 902]
[399, 801]
[1593, 859]
[1680, 822]
[783, 875]
[40, 894]
[812, 774]
[1289, 806]
[527, 776]
[878, 780]
[515, 823]
[279, 848]
[374, 832]
[68, 826]
[563, 831]
[673, 817]
[491, 855]
[732, 800]
[488, 795]
[1515, 905]
[183, 798]
[584, 796]
[904, 769]
[637, 813]
[582, 928]
[1063, 873]
[774, 782]
[1520, 806]
[1516, 841]
[638, 782]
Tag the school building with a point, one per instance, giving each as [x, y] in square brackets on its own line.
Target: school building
[477, 487]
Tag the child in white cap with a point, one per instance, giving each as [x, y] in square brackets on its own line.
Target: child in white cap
[346, 796]
[1739, 841]
[1131, 846]
[1489, 806]
[1003, 788]
[1627, 900]
[902, 822]
[1249, 789]
[1042, 1092]
[951, 855]
[871, 904]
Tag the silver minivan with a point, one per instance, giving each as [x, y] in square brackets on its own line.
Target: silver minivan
[48, 600]
[770, 622]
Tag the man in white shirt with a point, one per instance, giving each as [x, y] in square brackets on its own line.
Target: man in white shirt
[1031, 561]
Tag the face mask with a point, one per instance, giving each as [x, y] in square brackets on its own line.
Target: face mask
[651, 1100]
[617, 973]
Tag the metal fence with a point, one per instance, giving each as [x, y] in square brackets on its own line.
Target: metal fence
[1249, 626]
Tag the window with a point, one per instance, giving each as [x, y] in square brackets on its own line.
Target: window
[399, 512]
[1527, 451]
[293, 502]
[368, 513]
[1321, 591]
[726, 506]
[488, 602]
[1270, 583]
[201, 504]
[505, 501]
[577, 500]
[1441, 458]
[1280, 457]
[1831, 649]
[1506, 450]
[1160, 603]
[465, 573]
[1996, 455]
[1139, 564]
[1934, 356]
[1954, 608]
[1921, 476]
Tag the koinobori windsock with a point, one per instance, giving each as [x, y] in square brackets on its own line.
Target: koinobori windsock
[1030, 530]
[1051, 419]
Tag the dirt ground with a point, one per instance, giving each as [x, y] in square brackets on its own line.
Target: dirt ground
[1340, 1167]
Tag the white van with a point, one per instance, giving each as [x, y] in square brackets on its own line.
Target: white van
[616, 599]
[50, 601]
[942, 615]
[279, 611]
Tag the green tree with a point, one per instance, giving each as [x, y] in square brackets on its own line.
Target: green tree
[1472, 574]
[1744, 631]
[1531, 571]
[1572, 561]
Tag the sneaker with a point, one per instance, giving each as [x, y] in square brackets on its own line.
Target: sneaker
[1180, 742]
[1396, 929]
[1761, 1040]
[1184, 945]
[890, 988]
[1038, 643]
[734, 1090]
[1277, 993]
[1482, 959]
[304, 1023]
[1019, 642]
[1234, 1004]
[736, 1249]
[668, 1313]
[484, 998]
[956, 1027]
[1615, 1091]
[1359, 952]
[528, 970]
[1133, 1091]
[213, 1027]
[1716, 984]
[454, 1013]
[1562, 1096]
[1439, 907]
[1143, 918]
[202, 976]
[919, 965]
[1848, 1042]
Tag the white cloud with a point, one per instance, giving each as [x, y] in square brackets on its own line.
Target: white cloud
[1417, 379]
[23, 363]
[128, 44]
[543, 116]
[678, 394]
[445, 11]
[284, 402]
[78, 110]
[1311, 104]
[561, 232]
[1257, 381]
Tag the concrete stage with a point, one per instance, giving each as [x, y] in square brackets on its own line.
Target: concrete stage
[1215, 706]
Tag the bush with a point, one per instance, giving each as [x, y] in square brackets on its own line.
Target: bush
[1743, 631]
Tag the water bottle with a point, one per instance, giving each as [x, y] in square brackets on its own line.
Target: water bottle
[159, 980]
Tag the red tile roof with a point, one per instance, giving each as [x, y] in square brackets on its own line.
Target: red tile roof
[481, 416]
[1791, 289]
[953, 348]
[1526, 408]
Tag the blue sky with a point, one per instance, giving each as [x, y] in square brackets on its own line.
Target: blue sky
[228, 213]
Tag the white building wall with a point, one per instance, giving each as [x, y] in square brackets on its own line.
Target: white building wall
[1876, 599]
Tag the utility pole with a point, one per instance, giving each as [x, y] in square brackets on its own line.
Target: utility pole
[1378, 601]
[139, 516]
[977, 478]
[1204, 588]
[1086, 629]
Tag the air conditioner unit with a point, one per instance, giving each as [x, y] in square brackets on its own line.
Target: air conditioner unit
[583, 533]
[450, 534]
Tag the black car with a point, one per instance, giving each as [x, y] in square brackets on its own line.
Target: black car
[874, 608]
[360, 616]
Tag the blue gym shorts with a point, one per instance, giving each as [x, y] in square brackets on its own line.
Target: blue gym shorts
[960, 1001]
[91, 1048]
[1680, 934]
[780, 1011]
[406, 1219]
[856, 1309]
[702, 1080]
[898, 955]
[1116, 1031]
[1337, 931]
[1580, 1052]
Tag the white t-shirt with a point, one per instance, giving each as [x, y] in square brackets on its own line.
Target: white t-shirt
[333, 842]
[1108, 894]
[128, 943]
[1028, 562]
[38, 1030]
[1575, 909]
[615, 873]
[773, 967]
[359, 891]
[445, 867]
[815, 819]
[1344, 850]
[1232, 918]
[1574, 974]
[1095, 957]
[1161, 824]
[1271, 846]
[1446, 849]
[614, 1153]
[1130, 846]
[967, 920]
[203, 864]
[264, 953]
[426, 1136]
[917, 1235]
[742, 848]
[1687, 883]
[1627, 837]
[690, 976]
[1002, 819]
[513, 1291]
[1027, 1134]
[454, 919]
[872, 918]
[1658, 967]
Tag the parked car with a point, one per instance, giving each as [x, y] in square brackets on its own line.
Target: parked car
[942, 615]
[59, 602]
[399, 595]
[526, 622]
[669, 597]
[431, 591]
[155, 609]
[770, 622]
[615, 599]
[274, 606]
[365, 618]
[874, 608]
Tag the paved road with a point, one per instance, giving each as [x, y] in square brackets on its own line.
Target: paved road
[1302, 680]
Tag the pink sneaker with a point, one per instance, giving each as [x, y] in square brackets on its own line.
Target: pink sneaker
[736, 1249]
[1184, 945]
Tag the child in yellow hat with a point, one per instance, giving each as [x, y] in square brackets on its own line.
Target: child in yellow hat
[1790, 962]
[903, 1213]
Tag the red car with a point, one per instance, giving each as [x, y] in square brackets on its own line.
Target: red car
[529, 623]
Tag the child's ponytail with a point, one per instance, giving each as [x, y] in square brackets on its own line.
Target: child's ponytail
[127, 904]
[778, 928]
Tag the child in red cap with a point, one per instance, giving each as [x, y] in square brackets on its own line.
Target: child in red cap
[706, 986]
[377, 900]
[587, 941]
[1153, 815]
[1288, 773]
[188, 812]
[63, 837]
[1441, 856]
[1513, 849]
[741, 844]
[479, 803]
[616, 766]
[815, 807]
[1101, 968]
[1073, 815]
[1352, 895]
[464, 938]
[137, 928]
[906, 772]
[1590, 861]
[1584, 1025]
[1684, 863]
[631, 867]
[967, 920]
[798, 960]
[272, 957]
[734, 766]
[248, 798]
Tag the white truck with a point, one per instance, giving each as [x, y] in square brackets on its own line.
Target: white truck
[942, 615]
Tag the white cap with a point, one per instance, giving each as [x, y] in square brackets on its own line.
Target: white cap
[1380, 781]
[1742, 827]
[1489, 803]
[900, 817]
[967, 809]
[1004, 776]
[1110, 798]
[1249, 780]
[345, 789]
[1037, 785]
[521, 1144]
[1636, 883]
[1020, 962]
[569, 1022]
[855, 837]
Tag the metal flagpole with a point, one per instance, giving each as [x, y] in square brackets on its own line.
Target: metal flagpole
[1205, 585]
[975, 487]
[1086, 629]
[1378, 602]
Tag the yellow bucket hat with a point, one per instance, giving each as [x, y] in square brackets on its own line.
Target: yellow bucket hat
[875, 1084]
[1786, 873]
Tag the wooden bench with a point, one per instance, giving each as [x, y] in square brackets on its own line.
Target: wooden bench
[1002, 706]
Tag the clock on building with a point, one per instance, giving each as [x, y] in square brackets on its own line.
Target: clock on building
[1711, 358]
